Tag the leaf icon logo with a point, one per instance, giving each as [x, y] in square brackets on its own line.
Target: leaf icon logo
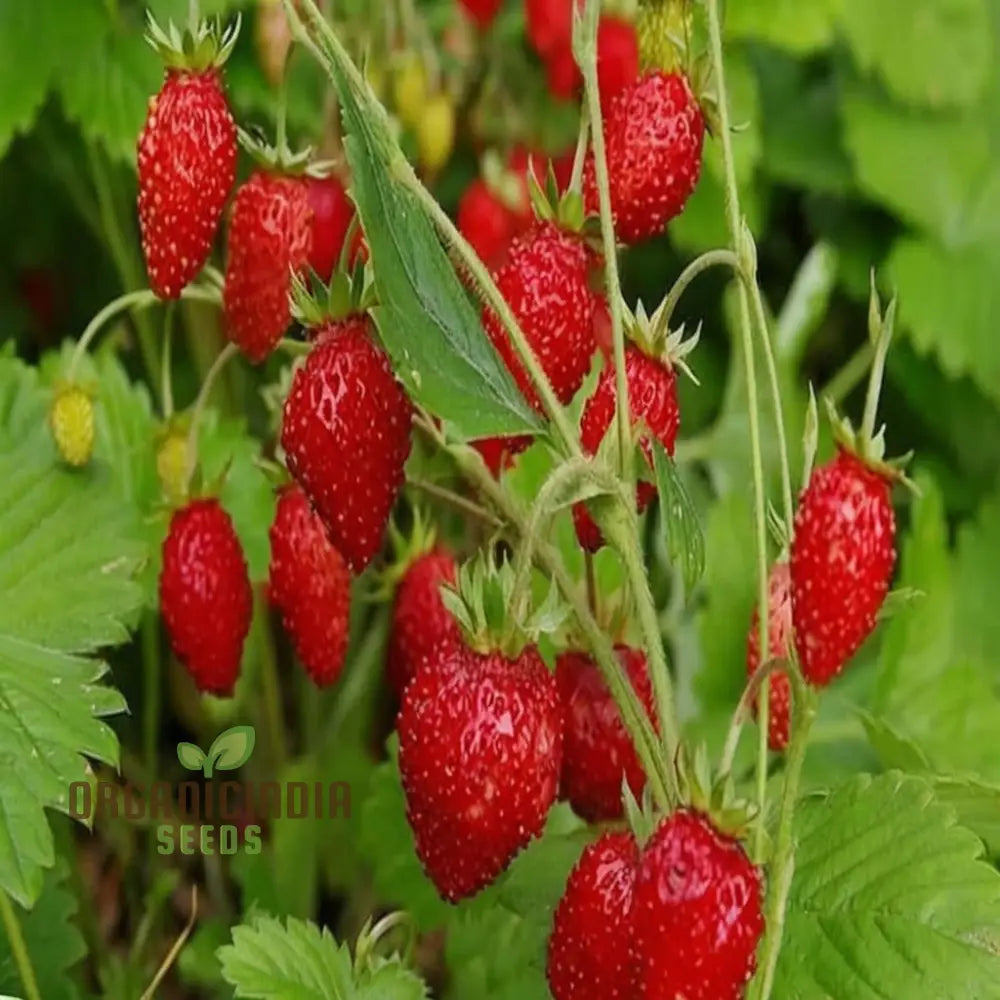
[231, 749]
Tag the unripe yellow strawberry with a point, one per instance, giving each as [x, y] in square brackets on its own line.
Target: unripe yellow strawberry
[436, 132]
[409, 91]
[72, 421]
[664, 30]
[172, 466]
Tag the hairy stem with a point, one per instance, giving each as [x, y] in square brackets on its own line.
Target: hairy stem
[875, 385]
[736, 234]
[456, 500]
[587, 57]
[697, 267]
[229, 351]
[783, 863]
[166, 378]
[850, 375]
[19, 948]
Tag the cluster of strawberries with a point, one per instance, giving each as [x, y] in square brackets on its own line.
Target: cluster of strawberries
[489, 737]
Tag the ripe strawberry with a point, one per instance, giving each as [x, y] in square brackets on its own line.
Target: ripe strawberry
[617, 57]
[269, 237]
[588, 953]
[310, 583]
[421, 625]
[499, 452]
[187, 167]
[480, 741]
[545, 282]
[562, 74]
[205, 594]
[696, 913]
[597, 750]
[779, 641]
[332, 215]
[482, 12]
[842, 559]
[654, 132]
[549, 25]
[652, 394]
[346, 435]
[71, 419]
[486, 222]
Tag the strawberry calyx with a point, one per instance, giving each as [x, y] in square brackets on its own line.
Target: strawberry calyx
[565, 208]
[483, 603]
[715, 797]
[348, 293]
[200, 47]
[279, 157]
[868, 444]
[652, 336]
[664, 29]
[407, 548]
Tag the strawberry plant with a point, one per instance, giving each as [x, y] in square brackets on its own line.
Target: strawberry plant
[498, 473]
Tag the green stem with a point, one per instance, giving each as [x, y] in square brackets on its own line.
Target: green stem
[736, 234]
[591, 578]
[405, 174]
[850, 375]
[697, 267]
[166, 376]
[562, 478]
[754, 685]
[270, 688]
[580, 157]
[783, 863]
[587, 56]
[229, 351]
[456, 500]
[779, 415]
[19, 948]
[141, 299]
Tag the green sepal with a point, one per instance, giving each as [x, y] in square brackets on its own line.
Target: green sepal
[316, 303]
[641, 818]
[278, 158]
[715, 797]
[652, 335]
[407, 548]
[199, 47]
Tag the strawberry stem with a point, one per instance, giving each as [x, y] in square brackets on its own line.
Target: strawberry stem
[580, 156]
[19, 949]
[709, 259]
[229, 351]
[743, 250]
[876, 378]
[585, 50]
[166, 379]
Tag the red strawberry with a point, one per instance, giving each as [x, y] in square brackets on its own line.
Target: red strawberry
[346, 435]
[205, 594]
[652, 396]
[696, 913]
[421, 625]
[332, 215]
[841, 564]
[480, 742]
[588, 953]
[269, 237]
[779, 641]
[597, 750]
[617, 57]
[549, 25]
[482, 12]
[562, 74]
[187, 167]
[545, 282]
[654, 132]
[311, 585]
[486, 222]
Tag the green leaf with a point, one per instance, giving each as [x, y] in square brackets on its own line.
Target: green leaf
[269, 960]
[190, 756]
[947, 298]
[391, 980]
[976, 804]
[66, 591]
[54, 943]
[890, 898]
[427, 321]
[232, 749]
[685, 542]
[785, 24]
[937, 671]
[935, 53]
